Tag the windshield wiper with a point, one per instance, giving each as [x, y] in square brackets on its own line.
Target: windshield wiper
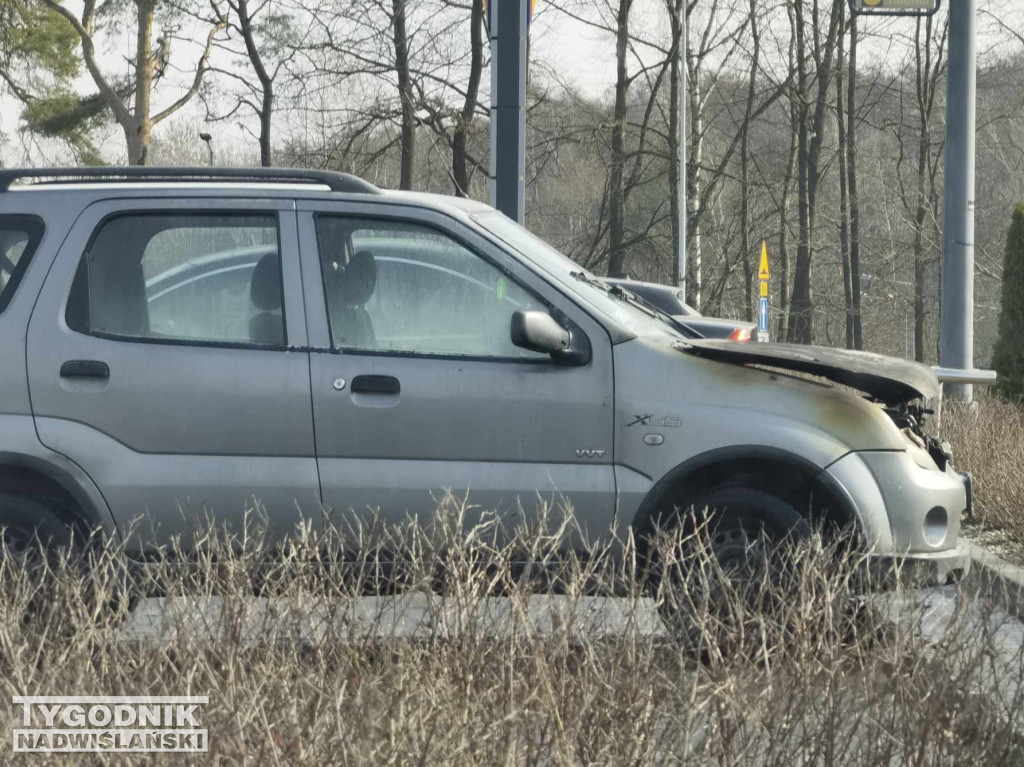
[641, 303]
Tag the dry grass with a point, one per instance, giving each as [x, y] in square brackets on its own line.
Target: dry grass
[988, 441]
[801, 670]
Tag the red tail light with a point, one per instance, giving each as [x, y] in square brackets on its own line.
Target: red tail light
[740, 334]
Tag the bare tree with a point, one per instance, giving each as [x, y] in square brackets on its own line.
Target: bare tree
[405, 92]
[718, 41]
[269, 42]
[854, 199]
[920, 197]
[820, 53]
[616, 192]
[786, 195]
[745, 247]
[676, 10]
[842, 112]
[461, 163]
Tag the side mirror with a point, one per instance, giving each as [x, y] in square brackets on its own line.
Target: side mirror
[540, 332]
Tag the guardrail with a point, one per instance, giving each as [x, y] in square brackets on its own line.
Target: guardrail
[953, 375]
[976, 377]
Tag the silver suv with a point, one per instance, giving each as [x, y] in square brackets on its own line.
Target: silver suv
[179, 343]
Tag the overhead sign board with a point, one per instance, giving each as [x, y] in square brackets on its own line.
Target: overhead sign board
[895, 7]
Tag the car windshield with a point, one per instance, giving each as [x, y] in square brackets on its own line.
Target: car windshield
[620, 305]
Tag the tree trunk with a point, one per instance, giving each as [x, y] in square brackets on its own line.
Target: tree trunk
[405, 95]
[784, 203]
[799, 322]
[787, 190]
[924, 82]
[694, 215]
[844, 201]
[266, 83]
[266, 126]
[616, 191]
[675, 11]
[138, 135]
[748, 256]
[460, 140]
[851, 174]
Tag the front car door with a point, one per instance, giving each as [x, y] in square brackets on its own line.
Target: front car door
[159, 360]
[418, 389]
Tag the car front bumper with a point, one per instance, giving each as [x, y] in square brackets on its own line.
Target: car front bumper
[909, 513]
[923, 568]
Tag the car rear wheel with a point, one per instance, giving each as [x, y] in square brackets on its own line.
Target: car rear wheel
[35, 536]
[31, 529]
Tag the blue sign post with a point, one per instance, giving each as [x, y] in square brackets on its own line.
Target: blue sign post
[763, 275]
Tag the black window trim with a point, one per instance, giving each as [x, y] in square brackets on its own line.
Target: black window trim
[406, 354]
[27, 222]
[160, 341]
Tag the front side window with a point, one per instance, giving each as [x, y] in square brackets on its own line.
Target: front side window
[213, 278]
[398, 287]
[19, 238]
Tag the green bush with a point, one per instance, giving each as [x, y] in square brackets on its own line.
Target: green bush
[1008, 358]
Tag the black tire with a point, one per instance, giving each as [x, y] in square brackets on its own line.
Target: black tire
[743, 529]
[35, 532]
[31, 528]
[741, 515]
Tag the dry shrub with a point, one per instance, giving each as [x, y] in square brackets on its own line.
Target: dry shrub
[467, 662]
[988, 441]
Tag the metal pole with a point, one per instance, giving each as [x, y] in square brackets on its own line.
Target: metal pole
[683, 191]
[508, 107]
[956, 348]
[208, 139]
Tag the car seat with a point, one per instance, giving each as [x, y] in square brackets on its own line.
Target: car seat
[267, 327]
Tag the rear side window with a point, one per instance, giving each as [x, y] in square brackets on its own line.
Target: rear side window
[19, 238]
[187, 277]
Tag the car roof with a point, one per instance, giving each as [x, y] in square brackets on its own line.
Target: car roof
[278, 183]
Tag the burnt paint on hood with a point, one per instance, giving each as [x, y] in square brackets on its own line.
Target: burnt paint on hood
[887, 379]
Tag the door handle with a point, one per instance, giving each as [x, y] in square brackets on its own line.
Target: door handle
[84, 369]
[375, 385]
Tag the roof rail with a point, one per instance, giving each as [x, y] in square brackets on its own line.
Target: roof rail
[337, 182]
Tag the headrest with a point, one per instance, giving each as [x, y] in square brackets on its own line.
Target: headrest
[265, 289]
[359, 279]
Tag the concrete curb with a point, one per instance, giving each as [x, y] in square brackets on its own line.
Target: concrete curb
[996, 579]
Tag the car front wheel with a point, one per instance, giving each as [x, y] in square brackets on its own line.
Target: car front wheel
[722, 558]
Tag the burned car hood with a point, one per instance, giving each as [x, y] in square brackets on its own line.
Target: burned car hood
[887, 379]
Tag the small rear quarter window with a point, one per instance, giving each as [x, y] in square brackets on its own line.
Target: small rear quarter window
[19, 238]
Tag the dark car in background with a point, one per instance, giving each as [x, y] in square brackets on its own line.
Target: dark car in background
[669, 300]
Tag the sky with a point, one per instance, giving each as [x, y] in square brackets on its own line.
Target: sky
[579, 54]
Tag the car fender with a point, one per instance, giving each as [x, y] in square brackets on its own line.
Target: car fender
[873, 527]
[20, 448]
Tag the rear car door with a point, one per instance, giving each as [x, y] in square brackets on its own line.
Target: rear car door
[420, 391]
[161, 360]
